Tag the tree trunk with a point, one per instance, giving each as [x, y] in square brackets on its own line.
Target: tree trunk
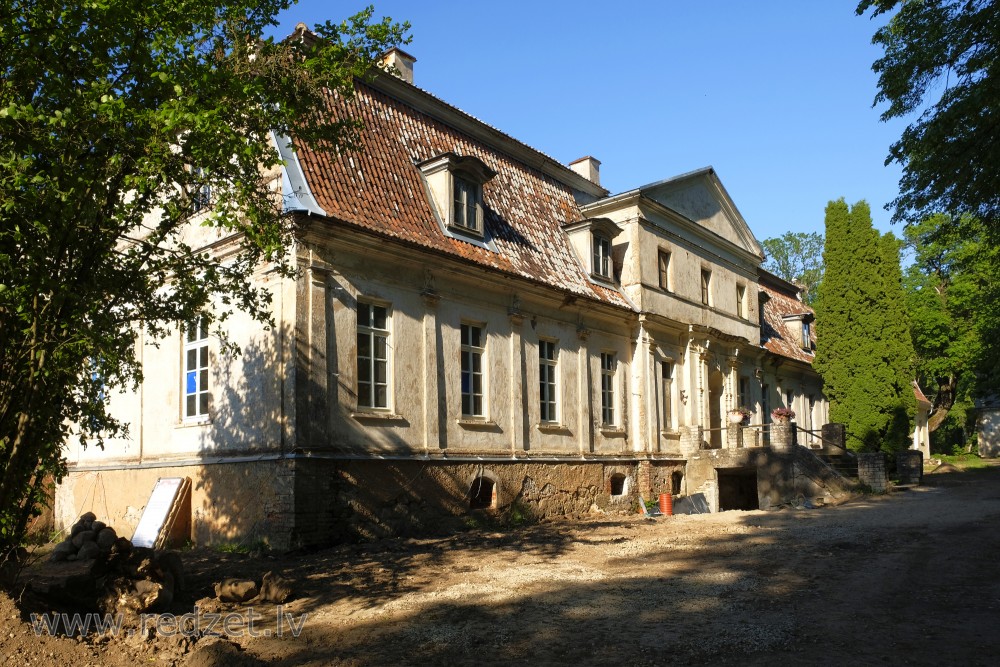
[942, 402]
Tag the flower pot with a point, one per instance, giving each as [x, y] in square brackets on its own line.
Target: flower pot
[736, 417]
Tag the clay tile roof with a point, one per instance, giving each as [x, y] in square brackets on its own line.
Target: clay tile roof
[919, 395]
[777, 335]
[379, 188]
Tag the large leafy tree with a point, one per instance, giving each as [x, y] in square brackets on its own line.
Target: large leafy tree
[949, 290]
[116, 118]
[798, 258]
[941, 66]
[864, 357]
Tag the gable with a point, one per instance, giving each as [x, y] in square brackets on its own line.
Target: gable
[700, 197]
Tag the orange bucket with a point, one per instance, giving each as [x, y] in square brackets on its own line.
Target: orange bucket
[666, 504]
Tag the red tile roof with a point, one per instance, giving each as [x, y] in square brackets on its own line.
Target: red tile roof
[379, 188]
[777, 335]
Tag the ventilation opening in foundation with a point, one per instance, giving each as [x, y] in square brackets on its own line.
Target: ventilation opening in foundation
[482, 494]
[738, 490]
[617, 483]
[676, 483]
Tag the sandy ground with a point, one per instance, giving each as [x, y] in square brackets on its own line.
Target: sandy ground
[907, 578]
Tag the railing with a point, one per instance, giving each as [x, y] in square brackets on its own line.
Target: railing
[754, 435]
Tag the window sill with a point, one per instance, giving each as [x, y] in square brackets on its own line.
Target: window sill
[553, 427]
[612, 431]
[194, 421]
[377, 416]
[466, 231]
[672, 435]
[602, 279]
[474, 423]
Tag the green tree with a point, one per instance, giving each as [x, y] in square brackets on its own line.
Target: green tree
[948, 290]
[940, 65]
[117, 117]
[798, 258]
[863, 353]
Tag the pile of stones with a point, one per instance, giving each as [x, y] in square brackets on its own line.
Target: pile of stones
[88, 539]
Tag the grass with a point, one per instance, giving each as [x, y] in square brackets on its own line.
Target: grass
[964, 461]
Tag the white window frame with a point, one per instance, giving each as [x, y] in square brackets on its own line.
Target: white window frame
[467, 198]
[706, 287]
[600, 251]
[548, 381]
[609, 373]
[201, 196]
[471, 371]
[741, 301]
[368, 365]
[195, 379]
[666, 389]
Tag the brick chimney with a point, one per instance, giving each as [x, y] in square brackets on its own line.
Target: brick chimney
[400, 61]
[588, 167]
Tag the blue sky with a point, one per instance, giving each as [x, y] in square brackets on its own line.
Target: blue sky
[775, 94]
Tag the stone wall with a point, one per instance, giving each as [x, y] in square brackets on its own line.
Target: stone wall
[871, 471]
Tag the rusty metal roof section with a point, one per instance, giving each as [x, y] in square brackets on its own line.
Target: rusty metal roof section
[922, 400]
[776, 332]
[379, 188]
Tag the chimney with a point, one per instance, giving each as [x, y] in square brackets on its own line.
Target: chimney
[589, 168]
[400, 62]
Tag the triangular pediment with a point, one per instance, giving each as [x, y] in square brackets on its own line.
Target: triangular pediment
[700, 197]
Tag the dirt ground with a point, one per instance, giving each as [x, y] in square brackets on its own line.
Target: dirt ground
[906, 578]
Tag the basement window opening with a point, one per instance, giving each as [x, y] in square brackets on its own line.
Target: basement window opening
[482, 494]
[676, 482]
[617, 484]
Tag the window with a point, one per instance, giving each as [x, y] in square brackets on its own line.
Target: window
[547, 381]
[806, 342]
[706, 283]
[467, 212]
[373, 356]
[602, 256]
[666, 385]
[663, 265]
[482, 494]
[741, 301]
[765, 403]
[196, 369]
[744, 390]
[789, 398]
[473, 349]
[201, 197]
[608, 364]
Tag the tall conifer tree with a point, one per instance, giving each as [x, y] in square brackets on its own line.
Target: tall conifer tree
[861, 317]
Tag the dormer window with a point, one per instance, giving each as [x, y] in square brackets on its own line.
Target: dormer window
[455, 184]
[799, 326]
[468, 211]
[601, 256]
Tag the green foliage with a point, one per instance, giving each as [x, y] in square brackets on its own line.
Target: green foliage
[797, 258]
[114, 116]
[865, 356]
[950, 289]
[939, 67]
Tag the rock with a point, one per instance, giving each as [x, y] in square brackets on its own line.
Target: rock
[88, 551]
[236, 590]
[106, 538]
[83, 536]
[62, 550]
[275, 588]
[98, 526]
[147, 594]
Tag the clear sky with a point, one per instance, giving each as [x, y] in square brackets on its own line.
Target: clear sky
[775, 94]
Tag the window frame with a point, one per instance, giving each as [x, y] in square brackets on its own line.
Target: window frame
[609, 373]
[373, 334]
[201, 196]
[548, 381]
[663, 269]
[470, 353]
[666, 389]
[602, 265]
[742, 311]
[462, 190]
[196, 380]
[706, 287]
